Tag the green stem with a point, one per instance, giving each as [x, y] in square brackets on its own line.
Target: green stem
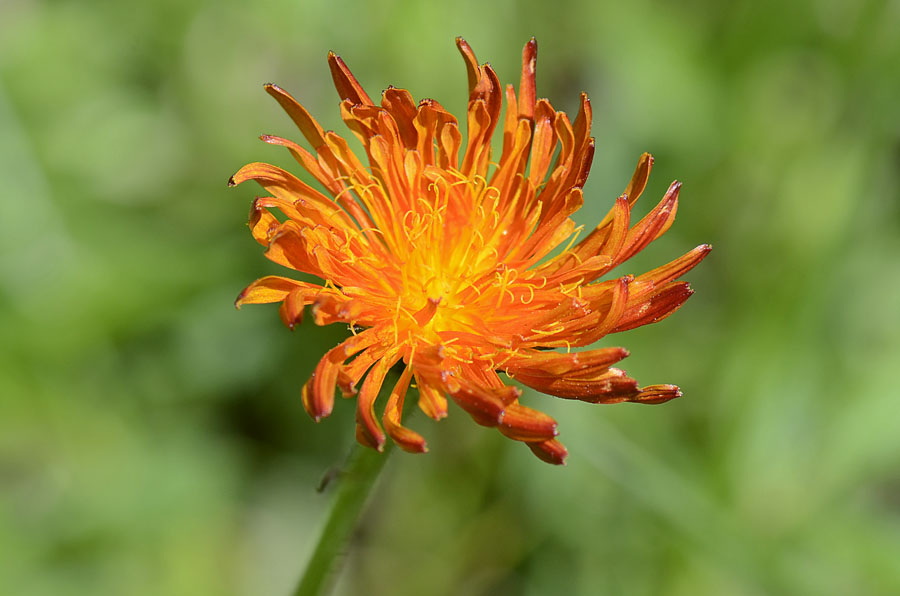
[354, 487]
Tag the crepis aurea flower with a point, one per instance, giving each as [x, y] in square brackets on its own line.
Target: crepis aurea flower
[459, 267]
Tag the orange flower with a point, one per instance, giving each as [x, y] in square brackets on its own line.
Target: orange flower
[459, 269]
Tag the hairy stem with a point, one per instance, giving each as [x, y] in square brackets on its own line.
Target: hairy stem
[355, 484]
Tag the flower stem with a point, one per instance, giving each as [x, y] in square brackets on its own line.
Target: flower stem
[354, 487]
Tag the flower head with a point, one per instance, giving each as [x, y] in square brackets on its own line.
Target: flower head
[458, 266]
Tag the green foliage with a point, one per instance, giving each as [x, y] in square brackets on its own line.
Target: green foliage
[152, 439]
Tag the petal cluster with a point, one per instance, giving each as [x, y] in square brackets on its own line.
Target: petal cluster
[457, 267]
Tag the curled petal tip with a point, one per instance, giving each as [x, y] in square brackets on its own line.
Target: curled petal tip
[231, 182]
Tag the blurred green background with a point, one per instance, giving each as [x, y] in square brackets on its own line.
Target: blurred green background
[152, 440]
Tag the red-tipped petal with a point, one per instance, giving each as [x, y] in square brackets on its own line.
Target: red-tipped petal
[486, 406]
[552, 452]
[346, 84]
[652, 226]
[526, 424]
[659, 305]
[608, 388]
[657, 394]
[555, 364]
[527, 90]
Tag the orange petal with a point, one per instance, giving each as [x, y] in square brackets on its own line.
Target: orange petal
[555, 364]
[617, 308]
[430, 116]
[287, 187]
[272, 288]
[291, 311]
[288, 248]
[678, 267]
[510, 121]
[583, 166]
[621, 218]
[431, 399]
[659, 305]
[306, 123]
[449, 141]
[582, 124]
[405, 438]
[351, 373]
[552, 452]
[527, 91]
[544, 141]
[262, 223]
[485, 405]
[525, 424]
[479, 124]
[473, 72]
[639, 179]
[652, 226]
[657, 394]
[346, 84]
[400, 105]
[309, 162]
[612, 386]
[368, 430]
[318, 392]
